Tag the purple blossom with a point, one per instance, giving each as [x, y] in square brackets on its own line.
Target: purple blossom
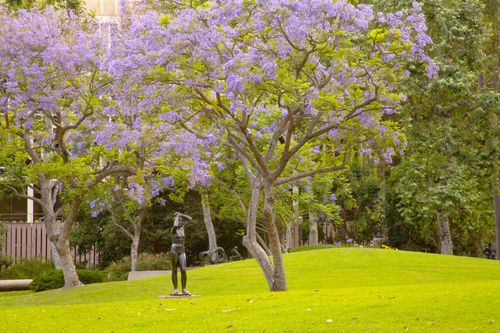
[389, 152]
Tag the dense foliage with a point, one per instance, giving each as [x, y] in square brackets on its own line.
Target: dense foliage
[376, 117]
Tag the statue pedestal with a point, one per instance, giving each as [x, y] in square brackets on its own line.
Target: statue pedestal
[177, 296]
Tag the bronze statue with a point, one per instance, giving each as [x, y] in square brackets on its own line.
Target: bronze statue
[178, 254]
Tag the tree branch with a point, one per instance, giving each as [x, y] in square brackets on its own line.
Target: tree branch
[240, 150]
[307, 174]
[108, 171]
[122, 228]
[24, 196]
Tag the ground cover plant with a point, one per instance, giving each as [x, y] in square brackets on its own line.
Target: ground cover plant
[331, 290]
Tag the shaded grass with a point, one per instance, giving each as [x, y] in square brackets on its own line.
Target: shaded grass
[359, 290]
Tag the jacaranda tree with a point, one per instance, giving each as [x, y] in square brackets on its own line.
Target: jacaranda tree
[51, 93]
[138, 123]
[278, 78]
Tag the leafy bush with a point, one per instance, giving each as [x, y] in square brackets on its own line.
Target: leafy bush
[5, 262]
[154, 262]
[54, 279]
[89, 276]
[26, 269]
[119, 270]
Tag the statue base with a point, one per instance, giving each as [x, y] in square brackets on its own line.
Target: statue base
[177, 296]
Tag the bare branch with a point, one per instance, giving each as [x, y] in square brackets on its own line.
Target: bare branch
[122, 228]
[203, 96]
[352, 114]
[307, 136]
[77, 123]
[279, 132]
[285, 157]
[108, 171]
[284, 180]
[29, 147]
[244, 157]
[70, 219]
[24, 196]
[246, 167]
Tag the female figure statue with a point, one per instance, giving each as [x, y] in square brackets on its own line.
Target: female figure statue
[178, 254]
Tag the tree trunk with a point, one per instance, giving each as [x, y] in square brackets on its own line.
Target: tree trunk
[59, 238]
[55, 256]
[207, 218]
[70, 277]
[62, 246]
[288, 236]
[313, 229]
[345, 225]
[295, 220]
[279, 282]
[445, 242]
[263, 244]
[250, 239]
[496, 200]
[134, 249]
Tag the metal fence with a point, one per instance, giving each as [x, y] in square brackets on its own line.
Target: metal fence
[30, 240]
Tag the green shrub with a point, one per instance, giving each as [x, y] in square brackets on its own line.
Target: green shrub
[52, 279]
[89, 276]
[154, 262]
[119, 270]
[26, 269]
[5, 262]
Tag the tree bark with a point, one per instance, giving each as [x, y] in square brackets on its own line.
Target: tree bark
[496, 200]
[207, 218]
[250, 239]
[134, 248]
[445, 241]
[263, 244]
[295, 220]
[55, 256]
[134, 236]
[59, 237]
[69, 270]
[313, 229]
[288, 236]
[279, 282]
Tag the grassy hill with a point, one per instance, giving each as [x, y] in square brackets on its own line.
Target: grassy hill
[330, 290]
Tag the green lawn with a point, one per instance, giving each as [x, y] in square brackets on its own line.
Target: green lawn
[331, 290]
